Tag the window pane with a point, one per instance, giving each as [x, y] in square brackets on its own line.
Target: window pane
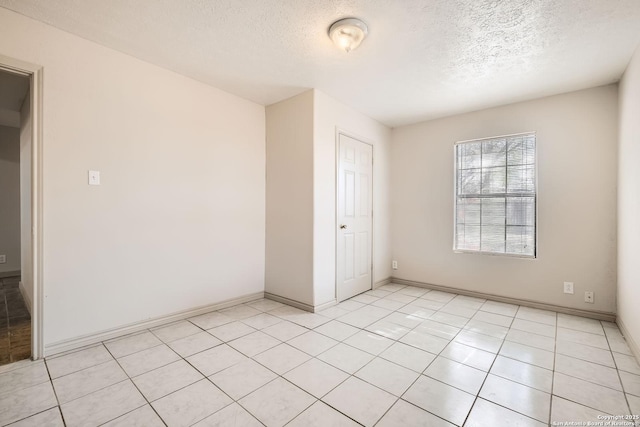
[521, 150]
[469, 155]
[469, 181]
[521, 211]
[493, 211]
[493, 238]
[494, 153]
[468, 211]
[493, 180]
[521, 240]
[468, 237]
[496, 195]
[521, 179]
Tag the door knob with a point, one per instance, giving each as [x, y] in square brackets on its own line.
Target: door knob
[342, 226]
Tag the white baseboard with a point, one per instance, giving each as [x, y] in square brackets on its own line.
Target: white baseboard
[4, 274]
[297, 304]
[25, 296]
[633, 345]
[320, 307]
[382, 283]
[301, 305]
[599, 315]
[85, 340]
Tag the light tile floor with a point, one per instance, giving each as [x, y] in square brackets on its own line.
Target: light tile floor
[395, 356]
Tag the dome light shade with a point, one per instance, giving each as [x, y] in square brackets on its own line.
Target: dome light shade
[348, 33]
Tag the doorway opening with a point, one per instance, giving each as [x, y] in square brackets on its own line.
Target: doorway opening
[20, 211]
[15, 320]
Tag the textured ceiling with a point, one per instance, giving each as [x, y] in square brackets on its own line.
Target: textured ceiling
[423, 58]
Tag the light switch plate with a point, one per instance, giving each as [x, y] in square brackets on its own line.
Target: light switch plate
[3, 259]
[568, 287]
[94, 177]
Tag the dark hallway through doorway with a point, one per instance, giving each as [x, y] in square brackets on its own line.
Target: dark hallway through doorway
[15, 322]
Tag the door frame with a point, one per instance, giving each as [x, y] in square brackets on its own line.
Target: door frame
[367, 141]
[35, 74]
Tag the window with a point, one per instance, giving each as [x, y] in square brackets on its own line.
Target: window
[495, 203]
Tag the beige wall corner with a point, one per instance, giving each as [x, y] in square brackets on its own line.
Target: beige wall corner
[289, 201]
[577, 159]
[330, 116]
[629, 204]
[179, 218]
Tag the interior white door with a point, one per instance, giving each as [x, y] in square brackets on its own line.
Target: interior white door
[355, 217]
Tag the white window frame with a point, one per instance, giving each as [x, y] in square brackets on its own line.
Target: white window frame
[455, 199]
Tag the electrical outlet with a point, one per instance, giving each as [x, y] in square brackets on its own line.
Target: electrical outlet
[3, 259]
[568, 287]
[394, 264]
[588, 297]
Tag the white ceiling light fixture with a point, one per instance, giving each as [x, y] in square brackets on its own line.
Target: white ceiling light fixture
[348, 33]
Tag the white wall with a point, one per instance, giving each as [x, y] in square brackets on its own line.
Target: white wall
[577, 161]
[25, 200]
[629, 203]
[178, 221]
[329, 115]
[301, 195]
[289, 246]
[10, 198]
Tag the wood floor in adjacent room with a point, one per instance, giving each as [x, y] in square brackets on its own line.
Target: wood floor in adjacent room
[15, 322]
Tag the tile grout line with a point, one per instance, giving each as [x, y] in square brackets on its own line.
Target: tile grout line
[571, 376]
[427, 367]
[204, 377]
[624, 392]
[221, 343]
[477, 396]
[397, 340]
[289, 318]
[55, 393]
[350, 375]
[222, 391]
[508, 379]
[397, 398]
[452, 340]
[594, 383]
[134, 384]
[553, 375]
[275, 373]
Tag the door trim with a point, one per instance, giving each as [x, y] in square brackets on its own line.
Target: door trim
[367, 141]
[35, 72]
